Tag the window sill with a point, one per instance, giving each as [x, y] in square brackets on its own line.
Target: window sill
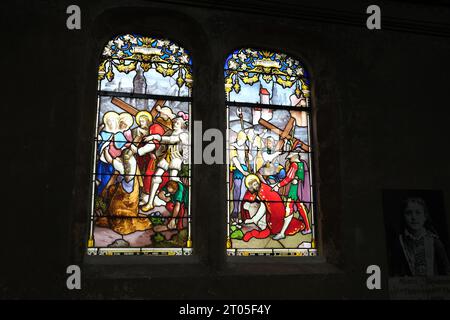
[279, 266]
[146, 267]
[132, 267]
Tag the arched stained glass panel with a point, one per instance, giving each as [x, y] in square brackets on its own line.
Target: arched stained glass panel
[271, 208]
[141, 173]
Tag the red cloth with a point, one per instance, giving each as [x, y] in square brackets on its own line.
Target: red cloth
[170, 206]
[156, 128]
[290, 175]
[301, 211]
[275, 213]
[147, 162]
[256, 234]
[150, 170]
[264, 91]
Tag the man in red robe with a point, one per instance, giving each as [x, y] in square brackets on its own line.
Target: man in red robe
[299, 195]
[151, 146]
[271, 209]
[146, 149]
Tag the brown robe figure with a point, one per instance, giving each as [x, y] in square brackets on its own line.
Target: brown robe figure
[122, 194]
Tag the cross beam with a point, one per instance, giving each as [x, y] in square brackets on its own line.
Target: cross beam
[285, 133]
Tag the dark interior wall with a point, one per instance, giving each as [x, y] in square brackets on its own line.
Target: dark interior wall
[380, 100]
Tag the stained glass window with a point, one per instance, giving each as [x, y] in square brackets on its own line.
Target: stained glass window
[141, 170]
[270, 192]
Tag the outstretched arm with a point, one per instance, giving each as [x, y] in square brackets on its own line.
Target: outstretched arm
[149, 147]
[170, 139]
[271, 157]
[290, 175]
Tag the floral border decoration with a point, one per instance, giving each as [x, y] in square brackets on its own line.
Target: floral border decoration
[125, 52]
[252, 66]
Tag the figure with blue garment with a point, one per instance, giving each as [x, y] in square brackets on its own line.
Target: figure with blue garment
[105, 169]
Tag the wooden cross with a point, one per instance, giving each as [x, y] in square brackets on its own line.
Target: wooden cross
[284, 134]
[133, 111]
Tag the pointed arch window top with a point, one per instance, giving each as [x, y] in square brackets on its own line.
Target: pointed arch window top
[251, 66]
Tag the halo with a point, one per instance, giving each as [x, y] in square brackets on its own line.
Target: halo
[249, 178]
[145, 114]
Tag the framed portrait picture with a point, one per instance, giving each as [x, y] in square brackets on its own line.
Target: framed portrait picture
[417, 243]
